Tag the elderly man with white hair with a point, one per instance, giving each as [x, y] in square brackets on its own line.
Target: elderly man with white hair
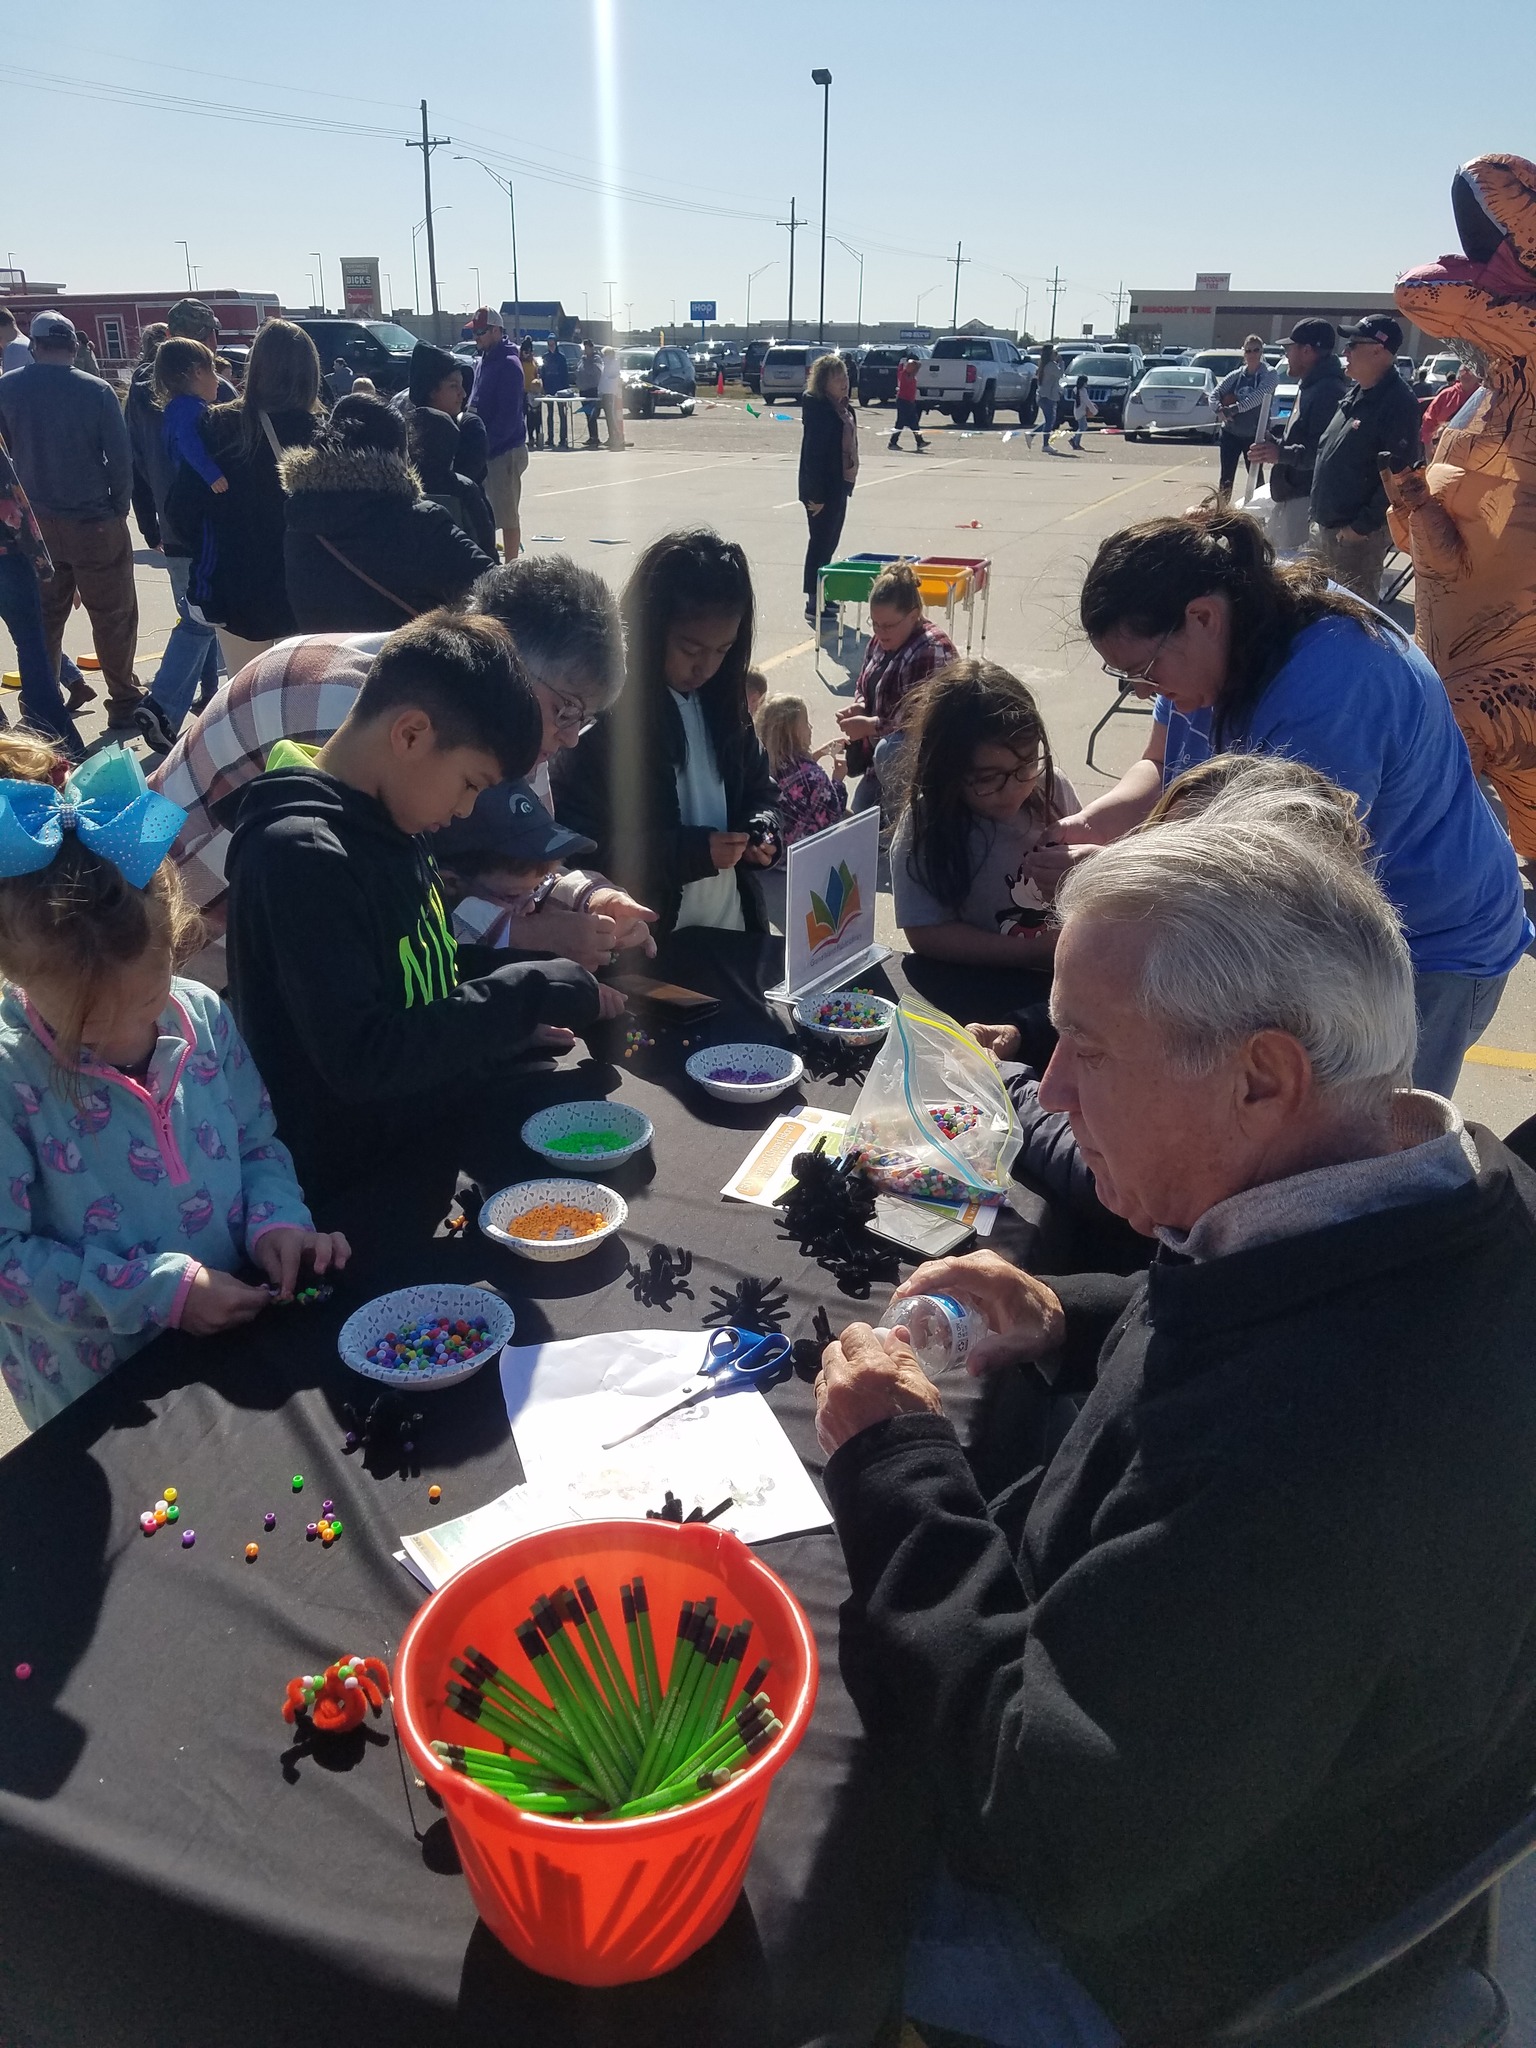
[1252, 1662]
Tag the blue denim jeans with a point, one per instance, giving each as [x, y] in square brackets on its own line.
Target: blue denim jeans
[976, 1966]
[21, 607]
[1454, 1012]
[191, 654]
[1047, 420]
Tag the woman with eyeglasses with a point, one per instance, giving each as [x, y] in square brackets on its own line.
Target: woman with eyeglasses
[983, 791]
[672, 782]
[1241, 656]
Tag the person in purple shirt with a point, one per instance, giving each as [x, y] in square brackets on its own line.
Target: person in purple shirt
[499, 398]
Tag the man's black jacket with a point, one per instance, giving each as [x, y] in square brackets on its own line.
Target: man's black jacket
[1346, 483]
[1253, 1662]
[1317, 400]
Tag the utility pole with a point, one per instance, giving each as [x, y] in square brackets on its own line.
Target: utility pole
[1119, 295]
[959, 259]
[188, 255]
[1055, 295]
[792, 223]
[426, 145]
[503, 185]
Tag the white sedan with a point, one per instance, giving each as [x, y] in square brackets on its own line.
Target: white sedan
[1176, 400]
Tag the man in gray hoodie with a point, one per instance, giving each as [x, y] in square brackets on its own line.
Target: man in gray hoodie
[69, 441]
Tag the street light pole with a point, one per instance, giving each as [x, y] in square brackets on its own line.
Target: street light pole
[750, 275]
[415, 275]
[917, 317]
[320, 275]
[824, 80]
[609, 283]
[187, 254]
[860, 262]
[505, 184]
[792, 223]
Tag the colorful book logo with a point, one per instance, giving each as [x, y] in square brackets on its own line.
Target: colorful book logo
[830, 916]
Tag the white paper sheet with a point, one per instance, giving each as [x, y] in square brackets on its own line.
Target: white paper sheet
[567, 1400]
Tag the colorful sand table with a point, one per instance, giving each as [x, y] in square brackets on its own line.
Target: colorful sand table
[430, 1341]
[554, 1221]
[587, 1144]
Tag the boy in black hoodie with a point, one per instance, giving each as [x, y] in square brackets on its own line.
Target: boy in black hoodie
[343, 969]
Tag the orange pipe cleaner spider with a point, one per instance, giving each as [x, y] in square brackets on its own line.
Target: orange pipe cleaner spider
[338, 1698]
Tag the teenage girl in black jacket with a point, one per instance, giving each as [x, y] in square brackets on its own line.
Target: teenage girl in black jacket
[671, 782]
[829, 463]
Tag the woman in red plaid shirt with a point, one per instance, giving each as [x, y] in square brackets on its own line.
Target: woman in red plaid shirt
[905, 649]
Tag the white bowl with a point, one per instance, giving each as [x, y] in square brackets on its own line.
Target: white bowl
[544, 1132]
[782, 1067]
[386, 1312]
[502, 1210]
[849, 1014]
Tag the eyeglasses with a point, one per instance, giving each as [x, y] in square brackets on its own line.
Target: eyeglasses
[993, 781]
[570, 712]
[1128, 678]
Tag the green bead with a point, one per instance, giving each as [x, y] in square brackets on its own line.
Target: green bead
[335, 1526]
[298, 1482]
[173, 1513]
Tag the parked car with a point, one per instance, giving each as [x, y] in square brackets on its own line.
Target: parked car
[237, 354]
[1434, 373]
[656, 376]
[877, 372]
[1222, 360]
[714, 357]
[785, 369]
[1169, 399]
[752, 364]
[971, 375]
[1110, 378]
[370, 348]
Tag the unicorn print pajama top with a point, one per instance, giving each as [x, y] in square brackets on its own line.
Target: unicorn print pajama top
[116, 1193]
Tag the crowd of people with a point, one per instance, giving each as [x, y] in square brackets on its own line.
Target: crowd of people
[1239, 1665]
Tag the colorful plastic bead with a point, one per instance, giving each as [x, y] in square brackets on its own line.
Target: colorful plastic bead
[188, 1538]
[298, 1482]
[326, 1506]
[148, 1523]
[269, 1520]
[311, 1531]
[326, 1538]
[434, 1494]
[335, 1526]
[252, 1552]
[162, 1505]
[23, 1671]
[170, 1493]
[160, 1515]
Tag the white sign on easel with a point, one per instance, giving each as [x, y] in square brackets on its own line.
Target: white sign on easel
[829, 907]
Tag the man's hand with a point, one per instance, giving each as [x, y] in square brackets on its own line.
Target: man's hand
[862, 1383]
[857, 725]
[1264, 451]
[726, 849]
[611, 1002]
[218, 1301]
[632, 921]
[1024, 1317]
[1001, 1040]
[812, 509]
[281, 1252]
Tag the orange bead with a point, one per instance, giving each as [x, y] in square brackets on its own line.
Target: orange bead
[434, 1493]
[252, 1552]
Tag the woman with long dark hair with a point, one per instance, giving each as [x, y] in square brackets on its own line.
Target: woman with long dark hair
[983, 791]
[279, 408]
[829, 469]
[1240, 655]
[672, 782]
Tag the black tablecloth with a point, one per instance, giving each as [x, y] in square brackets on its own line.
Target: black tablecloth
[171, 1870]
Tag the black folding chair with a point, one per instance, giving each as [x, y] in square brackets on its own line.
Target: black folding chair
[1457, 2005]
[1119, 707]
[1401, 576]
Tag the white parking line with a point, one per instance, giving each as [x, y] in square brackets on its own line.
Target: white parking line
[635, 476]
[896, 477]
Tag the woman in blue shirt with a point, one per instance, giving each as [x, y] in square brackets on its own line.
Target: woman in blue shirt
[1240, 655]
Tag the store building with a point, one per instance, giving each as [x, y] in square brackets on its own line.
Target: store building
[113, 321]
[1184, 318]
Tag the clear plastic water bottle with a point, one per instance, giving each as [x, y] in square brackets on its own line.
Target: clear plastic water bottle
[944, 1331]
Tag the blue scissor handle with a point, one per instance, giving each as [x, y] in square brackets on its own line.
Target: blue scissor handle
[747, 1355]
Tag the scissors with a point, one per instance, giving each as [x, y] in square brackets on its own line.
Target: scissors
[732, 1358]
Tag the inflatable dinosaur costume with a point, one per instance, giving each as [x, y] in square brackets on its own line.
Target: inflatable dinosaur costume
[1470, 518]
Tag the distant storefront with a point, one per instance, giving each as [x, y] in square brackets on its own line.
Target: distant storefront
[113, 321]
[1182, 318]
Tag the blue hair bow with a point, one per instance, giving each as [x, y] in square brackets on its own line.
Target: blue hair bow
[108, 806]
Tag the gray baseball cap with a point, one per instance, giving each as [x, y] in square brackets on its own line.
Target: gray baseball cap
[53, 330]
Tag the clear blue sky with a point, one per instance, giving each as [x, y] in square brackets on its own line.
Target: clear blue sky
[1135, 147]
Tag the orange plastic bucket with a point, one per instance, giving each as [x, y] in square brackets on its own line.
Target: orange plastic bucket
[603, 1902]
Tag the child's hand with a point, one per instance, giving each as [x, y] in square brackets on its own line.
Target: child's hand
[552, 1038]
[857, 725]
[726, 848]
[220, 487]
[839, 768]
[281, 1252]
[611, 1002]
[765, 855]
[218, 1301]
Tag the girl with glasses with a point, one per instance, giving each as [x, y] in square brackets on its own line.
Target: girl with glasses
[983, 791]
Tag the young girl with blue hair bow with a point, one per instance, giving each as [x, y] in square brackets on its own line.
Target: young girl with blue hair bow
[139, 1160]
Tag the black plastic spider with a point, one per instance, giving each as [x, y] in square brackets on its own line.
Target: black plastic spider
[827, 1212]
[752, 1306]
[805, 1353]
[662, 1278]
[833, 1059]
[386, 1432]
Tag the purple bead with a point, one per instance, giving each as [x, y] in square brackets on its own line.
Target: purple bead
[188, 1538]
[326, 1506]
[311, 1530]
[349, 1441]
[269, 1520]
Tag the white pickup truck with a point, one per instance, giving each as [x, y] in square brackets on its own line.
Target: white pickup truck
[971, 375]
